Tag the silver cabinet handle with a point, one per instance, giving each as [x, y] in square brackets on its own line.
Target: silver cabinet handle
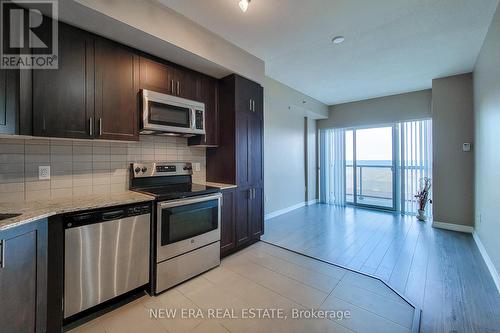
[178, 88]
[100, 126]
[253, 190]
[253, 105]
[172, 86]
[2, 256]
[250, 104]
[91, 126]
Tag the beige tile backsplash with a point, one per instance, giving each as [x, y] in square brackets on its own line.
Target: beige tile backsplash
[80, 167]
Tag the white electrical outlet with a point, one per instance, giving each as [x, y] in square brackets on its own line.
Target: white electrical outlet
[196, 167]
[43, 172]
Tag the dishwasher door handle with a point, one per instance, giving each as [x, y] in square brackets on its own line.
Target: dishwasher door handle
[113, 215]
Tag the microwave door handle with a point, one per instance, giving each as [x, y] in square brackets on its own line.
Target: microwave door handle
[193, 118]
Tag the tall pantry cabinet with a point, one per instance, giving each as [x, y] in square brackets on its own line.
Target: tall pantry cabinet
[239, 160]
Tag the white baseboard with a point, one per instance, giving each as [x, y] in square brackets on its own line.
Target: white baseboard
[487, 260]
[289, 209]
[453, 227]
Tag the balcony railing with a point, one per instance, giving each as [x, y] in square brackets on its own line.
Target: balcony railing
[374, 185]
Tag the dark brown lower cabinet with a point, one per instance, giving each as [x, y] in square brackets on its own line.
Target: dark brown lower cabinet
[227, 237]
[23, 278]
[242, 216]
[257, 213]
[242, 221]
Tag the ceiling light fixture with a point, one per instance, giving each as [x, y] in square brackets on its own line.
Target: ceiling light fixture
[244, 5]
[338, 39]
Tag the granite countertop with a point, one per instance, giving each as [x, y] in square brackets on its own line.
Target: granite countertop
[36, 210]
[222, 186]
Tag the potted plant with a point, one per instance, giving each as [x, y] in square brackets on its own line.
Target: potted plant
[423, 197]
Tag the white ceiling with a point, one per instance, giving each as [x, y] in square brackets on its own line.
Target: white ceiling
[392, 46]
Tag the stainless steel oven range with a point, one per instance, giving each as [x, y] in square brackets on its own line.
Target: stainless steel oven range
[187, 221]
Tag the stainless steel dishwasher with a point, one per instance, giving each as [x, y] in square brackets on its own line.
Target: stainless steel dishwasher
[107, 254]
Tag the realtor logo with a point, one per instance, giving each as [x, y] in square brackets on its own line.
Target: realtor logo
[28, 36]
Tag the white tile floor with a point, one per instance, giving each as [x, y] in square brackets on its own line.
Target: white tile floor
[265, 277]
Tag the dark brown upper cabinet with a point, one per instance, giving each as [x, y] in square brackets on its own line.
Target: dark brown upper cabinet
[238, 159]
[8, 101]
[168, 79]
[116, 91]
[93, 94]
[156, 76]
[63, 98]
[186, 83]
[207, 93]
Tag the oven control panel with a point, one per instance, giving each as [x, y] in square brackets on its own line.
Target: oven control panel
[157, 169]
[166, 168]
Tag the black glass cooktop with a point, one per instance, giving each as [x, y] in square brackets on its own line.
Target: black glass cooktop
[178, 191]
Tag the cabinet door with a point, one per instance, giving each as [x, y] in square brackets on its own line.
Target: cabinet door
[228, 237]
[8, 101]
[259, 101]
[156, 76]
[186, 84]
[242, 149]
[117, 92]
[207, 93]
[63, 99]
[257, 213]
[243, 232]
[244, 94]
[18, 283]
[255, 160]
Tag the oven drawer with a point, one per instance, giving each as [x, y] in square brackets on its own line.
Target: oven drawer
[176, 270]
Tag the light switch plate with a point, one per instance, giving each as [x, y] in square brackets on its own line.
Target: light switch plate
[467, 146]
[44, 172]
[196, 167]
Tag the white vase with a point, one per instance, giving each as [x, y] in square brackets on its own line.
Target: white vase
[421, 215]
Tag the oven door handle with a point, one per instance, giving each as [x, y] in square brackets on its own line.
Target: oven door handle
[187, 201]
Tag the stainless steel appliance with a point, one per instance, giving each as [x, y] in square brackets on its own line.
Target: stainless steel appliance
[166, 114]
[187, 222]
[107, 254]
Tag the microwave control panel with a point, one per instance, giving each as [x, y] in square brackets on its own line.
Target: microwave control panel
[199, 119]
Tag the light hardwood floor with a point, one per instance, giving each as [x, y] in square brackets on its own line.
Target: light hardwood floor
[264, 276]
[441, 271]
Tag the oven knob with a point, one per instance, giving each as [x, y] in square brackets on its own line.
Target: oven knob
[187, 168]
[137, 169]
[144, 169]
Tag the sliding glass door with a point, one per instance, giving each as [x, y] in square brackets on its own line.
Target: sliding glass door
[370, 167]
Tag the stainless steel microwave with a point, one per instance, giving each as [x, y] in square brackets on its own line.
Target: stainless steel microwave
[166, 114]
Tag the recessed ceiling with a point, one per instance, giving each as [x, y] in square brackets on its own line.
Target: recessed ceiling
[391, 46]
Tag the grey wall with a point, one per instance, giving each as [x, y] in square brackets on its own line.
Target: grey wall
[383, 110]
[284, 145]
[487, 138]
[453, 169]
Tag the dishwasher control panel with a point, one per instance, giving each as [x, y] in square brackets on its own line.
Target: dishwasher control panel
[105, 214]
